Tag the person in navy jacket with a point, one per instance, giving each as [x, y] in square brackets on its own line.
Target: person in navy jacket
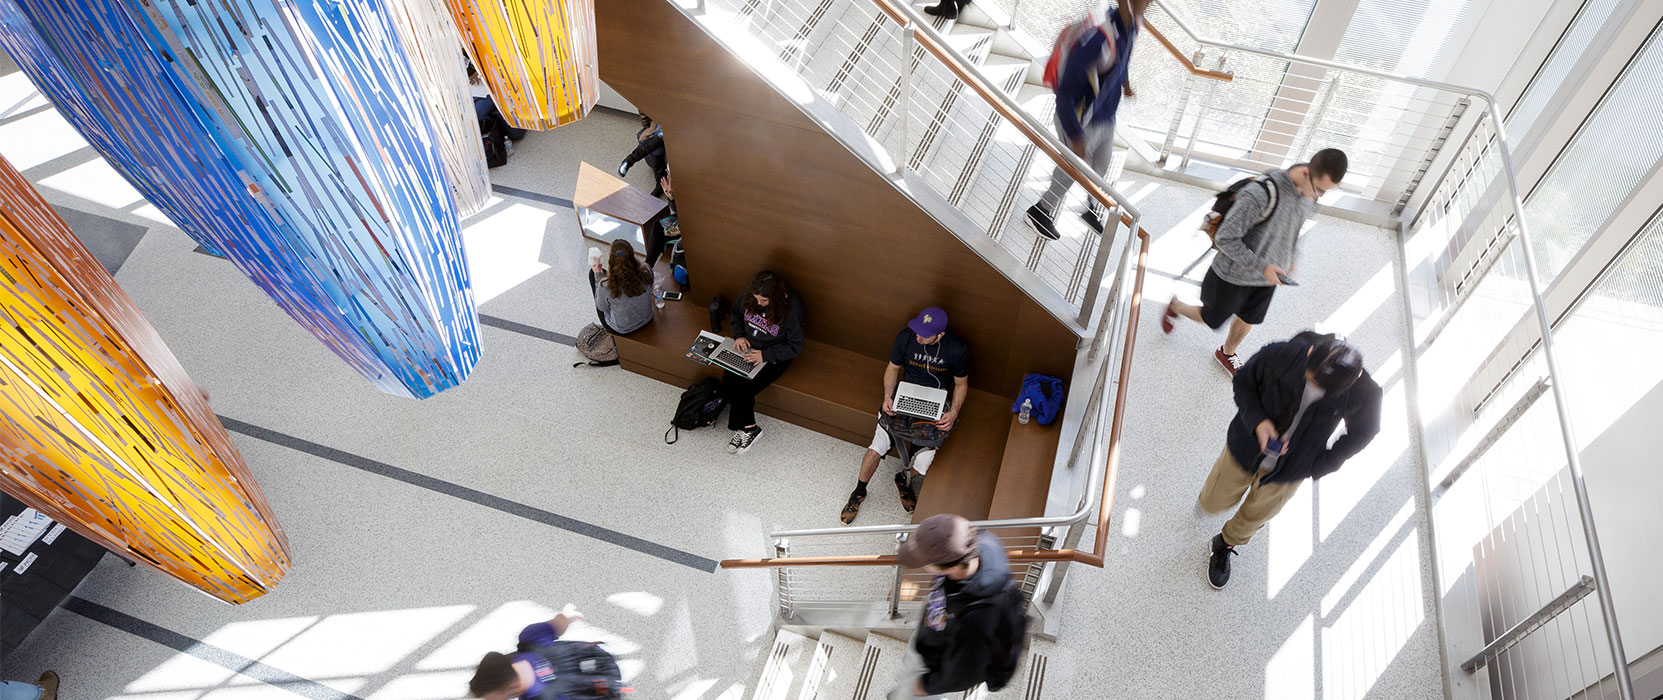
[767, 327]
[1091, 78]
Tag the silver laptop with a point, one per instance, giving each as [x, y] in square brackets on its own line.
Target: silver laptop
[920, 401]
[710, 348]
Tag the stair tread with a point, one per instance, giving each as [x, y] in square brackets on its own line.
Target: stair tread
[794, 663]
[883, 668]
[848, 657]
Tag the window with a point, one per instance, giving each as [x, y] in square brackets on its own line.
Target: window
[1589, 20]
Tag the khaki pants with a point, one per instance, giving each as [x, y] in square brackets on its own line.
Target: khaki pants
[1224, 488]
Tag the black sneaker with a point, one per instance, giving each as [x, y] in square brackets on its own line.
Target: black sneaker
[1218, 562]
[1042, 222]
[743, 438]
[946, 8]
[1093, 219]
[852, 508]
[909, 497]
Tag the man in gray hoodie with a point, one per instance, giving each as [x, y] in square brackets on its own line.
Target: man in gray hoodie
[956, 646]
[1258, 243]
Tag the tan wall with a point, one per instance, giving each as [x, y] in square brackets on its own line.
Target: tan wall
[759, 186]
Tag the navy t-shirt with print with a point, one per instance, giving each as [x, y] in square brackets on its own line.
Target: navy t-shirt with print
[535, 635]
[933, 365]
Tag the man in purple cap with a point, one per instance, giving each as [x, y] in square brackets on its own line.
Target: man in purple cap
[926, 354]
[963, 639]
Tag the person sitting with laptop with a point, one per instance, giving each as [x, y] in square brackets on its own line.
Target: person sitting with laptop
[924, 388]
[767, 328]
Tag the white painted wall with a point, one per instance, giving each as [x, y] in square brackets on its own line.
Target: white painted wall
[611, 98]
[1623, 468]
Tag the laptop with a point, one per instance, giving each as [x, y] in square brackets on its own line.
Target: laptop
[712, 349]
[920, 401]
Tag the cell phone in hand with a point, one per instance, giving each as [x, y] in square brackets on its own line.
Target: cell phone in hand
[672, 296]
[1273, 446]
[1286, 280]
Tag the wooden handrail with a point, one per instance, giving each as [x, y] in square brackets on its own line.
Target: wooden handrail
[1189, 65]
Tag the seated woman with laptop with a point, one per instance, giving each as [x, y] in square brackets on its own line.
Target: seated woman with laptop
[767, 331]
[924, 388]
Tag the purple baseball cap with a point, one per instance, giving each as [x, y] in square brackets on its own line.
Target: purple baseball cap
[929, 322]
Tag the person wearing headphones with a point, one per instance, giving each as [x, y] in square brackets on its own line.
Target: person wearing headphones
[927, 354]
[1290, 398]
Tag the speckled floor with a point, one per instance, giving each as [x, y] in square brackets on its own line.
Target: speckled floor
[399, 587]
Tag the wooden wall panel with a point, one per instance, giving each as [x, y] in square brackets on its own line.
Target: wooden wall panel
[760, 186]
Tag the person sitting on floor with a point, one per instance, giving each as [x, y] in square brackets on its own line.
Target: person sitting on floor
[925, 353]
[623, 289]
[767, 327]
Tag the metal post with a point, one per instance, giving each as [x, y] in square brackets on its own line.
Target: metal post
[1059, 569]
[909, 44]
[1178, 115]
[1010, 24]
[895, 585]
[1099, 259]
[1602, 583]
[1114, 289]
[782, 549]
[1317, 112]
[1200, 116]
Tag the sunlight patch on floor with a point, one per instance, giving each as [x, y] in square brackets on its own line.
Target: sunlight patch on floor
[503, 249]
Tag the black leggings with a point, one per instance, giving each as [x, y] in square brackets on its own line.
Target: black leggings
[741, 393]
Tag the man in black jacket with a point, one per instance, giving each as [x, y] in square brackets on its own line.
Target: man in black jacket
[955, 644]
[1290, 397]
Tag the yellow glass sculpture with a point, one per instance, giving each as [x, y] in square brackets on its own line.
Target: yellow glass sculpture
[101, 430]
[537, 56]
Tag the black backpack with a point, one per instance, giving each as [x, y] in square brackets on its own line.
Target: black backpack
[700, 406]
[581, 670]
[1224, 200]
[1010, 635]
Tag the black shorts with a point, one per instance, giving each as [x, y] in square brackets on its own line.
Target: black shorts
[1220, 300]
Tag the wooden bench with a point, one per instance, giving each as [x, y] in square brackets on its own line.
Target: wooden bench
[989, 463]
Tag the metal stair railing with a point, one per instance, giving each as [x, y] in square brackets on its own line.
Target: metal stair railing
[940, 118]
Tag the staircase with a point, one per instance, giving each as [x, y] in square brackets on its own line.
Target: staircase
[810, 664]
[878, 88]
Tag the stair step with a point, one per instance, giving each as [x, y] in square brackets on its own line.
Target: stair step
[883, 661]
[794, 669]
[967, 136]
[847, 658]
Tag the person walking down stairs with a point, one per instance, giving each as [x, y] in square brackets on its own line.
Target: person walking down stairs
[947, 8]
[966, 637]
[1091, 59]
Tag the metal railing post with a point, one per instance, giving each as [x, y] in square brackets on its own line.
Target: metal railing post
[1114, 290]
[1178, 115]
[895, 584]
[1200, 116]
[1060, 570]
[782, 578]
[909, 44]
[1317, 112]
[1596, 559]
[1010, 24]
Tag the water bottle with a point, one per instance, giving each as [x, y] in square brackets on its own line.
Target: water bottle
[1027, 410]
[657, 294]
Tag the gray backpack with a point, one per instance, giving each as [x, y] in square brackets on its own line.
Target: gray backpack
[597, 347]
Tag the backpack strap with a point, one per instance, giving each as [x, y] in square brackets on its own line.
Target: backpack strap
[1270, 193]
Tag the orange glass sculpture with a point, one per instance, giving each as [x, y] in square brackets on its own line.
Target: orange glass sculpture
[101, 430]
[537, 56]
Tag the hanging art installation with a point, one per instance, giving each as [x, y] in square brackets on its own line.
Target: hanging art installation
[316, 145]
[101, 430]
[537, 56]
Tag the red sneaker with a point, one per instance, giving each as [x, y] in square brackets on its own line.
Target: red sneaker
[1231, 363]
[1168, 316]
